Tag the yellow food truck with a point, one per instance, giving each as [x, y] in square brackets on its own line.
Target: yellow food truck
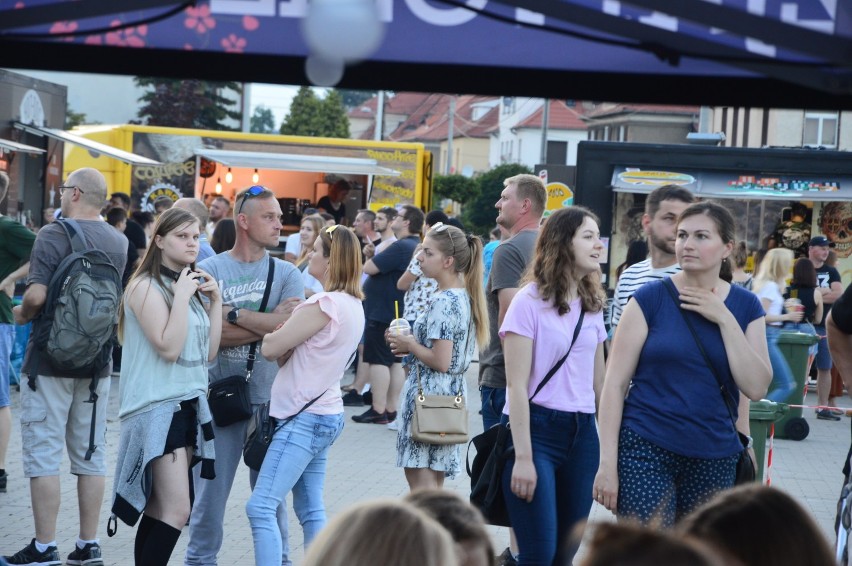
[298, 169]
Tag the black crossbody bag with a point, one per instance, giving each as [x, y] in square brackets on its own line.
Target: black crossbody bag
[492, 452]
[228, 398]
[745, 466]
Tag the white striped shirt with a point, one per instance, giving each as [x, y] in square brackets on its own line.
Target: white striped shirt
[631, 279]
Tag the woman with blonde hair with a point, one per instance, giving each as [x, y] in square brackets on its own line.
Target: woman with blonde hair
[308, 232]
[314, 347]
[383, 533]
[169, 338]
[553, 336]
[769, 284]
[441, 347]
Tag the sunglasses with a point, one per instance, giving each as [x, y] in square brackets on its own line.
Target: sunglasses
[62, 188]
[330, 230]
[251, 192]
[439, 227]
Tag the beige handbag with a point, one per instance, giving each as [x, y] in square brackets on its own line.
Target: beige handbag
[439, 419]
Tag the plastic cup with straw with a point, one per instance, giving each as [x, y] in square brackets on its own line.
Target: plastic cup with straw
[399, 326]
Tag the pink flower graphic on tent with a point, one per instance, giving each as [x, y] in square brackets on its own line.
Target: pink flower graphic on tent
[60, 28]
[234, 44]
[199, 18]
[127, 37]
[250, 23]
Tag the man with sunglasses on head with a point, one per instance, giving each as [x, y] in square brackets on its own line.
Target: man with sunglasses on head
[242, 274]
[56, 407]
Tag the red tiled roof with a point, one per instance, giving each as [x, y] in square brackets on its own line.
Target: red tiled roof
[561, 117]
[610, 110]
[430, 121]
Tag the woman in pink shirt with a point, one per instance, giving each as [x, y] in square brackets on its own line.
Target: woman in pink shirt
[314, 347]
[548, 481]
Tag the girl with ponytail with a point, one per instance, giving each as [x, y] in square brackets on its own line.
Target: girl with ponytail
[442, 346]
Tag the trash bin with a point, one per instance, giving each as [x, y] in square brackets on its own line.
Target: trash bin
[761, 415]
[794, 347]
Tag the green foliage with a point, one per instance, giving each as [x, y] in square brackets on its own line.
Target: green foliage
[479, 215]
[74, 119]
[354, 98]
[189, 103]
[455, 187]
[262, 121]
[311, 116]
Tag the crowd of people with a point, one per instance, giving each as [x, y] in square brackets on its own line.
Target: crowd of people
[599, 408]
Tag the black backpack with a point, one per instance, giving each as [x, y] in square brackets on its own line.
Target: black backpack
[76, 329]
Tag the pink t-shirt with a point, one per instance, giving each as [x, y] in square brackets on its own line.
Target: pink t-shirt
[571, 387]
[318, 364]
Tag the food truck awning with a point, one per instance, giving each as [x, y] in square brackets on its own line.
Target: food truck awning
[290, 162]
[735, 184]
[92, 146]
[10, 145]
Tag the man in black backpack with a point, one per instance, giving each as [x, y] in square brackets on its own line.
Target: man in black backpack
[55, 406]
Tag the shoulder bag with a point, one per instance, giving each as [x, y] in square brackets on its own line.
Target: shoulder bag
[745, 465]
[261, 429]
[440, 419]
[492, 453]
[229, 397]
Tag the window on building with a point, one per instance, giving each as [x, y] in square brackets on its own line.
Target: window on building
[820, 129]
[508, 104]
[557, 152]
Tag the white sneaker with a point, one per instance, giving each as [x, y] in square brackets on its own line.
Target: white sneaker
[393, 425]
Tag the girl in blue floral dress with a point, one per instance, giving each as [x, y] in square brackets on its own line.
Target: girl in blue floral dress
[441, 347]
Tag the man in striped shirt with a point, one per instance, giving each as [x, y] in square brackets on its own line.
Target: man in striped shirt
[662, 209]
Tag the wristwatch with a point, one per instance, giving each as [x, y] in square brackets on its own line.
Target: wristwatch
[234, 315]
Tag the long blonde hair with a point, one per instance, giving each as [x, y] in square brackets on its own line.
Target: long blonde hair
[466, 251]
[774, 267]
[382, 533]
[343, 250]
[317, 222]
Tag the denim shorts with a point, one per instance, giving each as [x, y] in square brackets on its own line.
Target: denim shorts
[7, 339]
[823, 356]
[56, 413]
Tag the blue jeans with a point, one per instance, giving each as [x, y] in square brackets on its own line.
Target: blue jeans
[566, 452]
[296, 461]
[493, 401]
[783, 382]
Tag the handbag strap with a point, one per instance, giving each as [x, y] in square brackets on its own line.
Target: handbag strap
[252, 355]
[302, 410]
[670, 287]
[561, 361]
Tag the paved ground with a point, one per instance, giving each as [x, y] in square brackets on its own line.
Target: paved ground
[361, 467]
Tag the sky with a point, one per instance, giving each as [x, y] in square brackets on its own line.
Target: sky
[275, 97]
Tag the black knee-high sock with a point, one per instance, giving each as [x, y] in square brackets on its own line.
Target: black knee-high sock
[159, 545]
[142, 533]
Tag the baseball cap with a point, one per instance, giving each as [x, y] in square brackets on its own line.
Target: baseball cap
[821, 241]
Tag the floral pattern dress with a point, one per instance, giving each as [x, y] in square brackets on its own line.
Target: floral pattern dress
[448, 317]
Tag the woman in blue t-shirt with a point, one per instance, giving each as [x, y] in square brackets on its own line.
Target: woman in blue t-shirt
[670, 444]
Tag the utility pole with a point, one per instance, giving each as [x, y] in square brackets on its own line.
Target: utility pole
[378, 131]
[545, 116]
[450, 131]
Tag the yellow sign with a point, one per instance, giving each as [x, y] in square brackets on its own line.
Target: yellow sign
[559, 195]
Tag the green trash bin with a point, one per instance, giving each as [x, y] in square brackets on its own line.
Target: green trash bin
[794, 347]
[761, 415]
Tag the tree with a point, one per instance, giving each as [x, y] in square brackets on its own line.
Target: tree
[455, 187]
[188, 103]
[333, 121]
[354, 98]
[262, 120]
[479, 216]
[74, 119]
[310, 116]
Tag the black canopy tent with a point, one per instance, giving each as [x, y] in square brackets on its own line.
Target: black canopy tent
[796, 54]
